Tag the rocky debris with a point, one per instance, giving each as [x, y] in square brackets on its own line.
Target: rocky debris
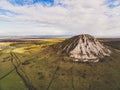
[84, 48]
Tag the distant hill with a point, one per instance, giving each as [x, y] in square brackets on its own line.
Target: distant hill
[35, 36]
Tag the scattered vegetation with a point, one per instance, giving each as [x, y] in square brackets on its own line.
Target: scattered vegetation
[47, 70]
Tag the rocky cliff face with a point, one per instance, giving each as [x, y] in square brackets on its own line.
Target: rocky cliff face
[84, 48]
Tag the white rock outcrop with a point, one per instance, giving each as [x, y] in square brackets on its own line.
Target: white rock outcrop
[84, 48]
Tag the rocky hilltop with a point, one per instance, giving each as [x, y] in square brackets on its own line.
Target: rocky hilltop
[84, 48]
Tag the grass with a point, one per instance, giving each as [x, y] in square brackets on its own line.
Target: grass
[99, 76]
[12, 82]
[47, 70]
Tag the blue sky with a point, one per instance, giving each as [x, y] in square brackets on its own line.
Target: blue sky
[113, 3]
[60, 17]
[30, 2]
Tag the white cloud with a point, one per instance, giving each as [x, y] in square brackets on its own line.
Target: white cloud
[73, 17]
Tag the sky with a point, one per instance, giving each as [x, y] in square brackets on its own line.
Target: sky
[60, 17]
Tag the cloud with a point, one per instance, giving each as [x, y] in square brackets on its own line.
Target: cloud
[94, 17]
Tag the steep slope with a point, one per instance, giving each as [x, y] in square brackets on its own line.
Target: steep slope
[84, 48]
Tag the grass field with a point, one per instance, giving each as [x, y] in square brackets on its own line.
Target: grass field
[34, 66]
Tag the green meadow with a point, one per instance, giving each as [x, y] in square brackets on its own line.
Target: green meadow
[36, 66]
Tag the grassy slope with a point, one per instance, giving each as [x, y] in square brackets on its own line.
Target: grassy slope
[98, 76]
[25, 52]
[46, 71]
